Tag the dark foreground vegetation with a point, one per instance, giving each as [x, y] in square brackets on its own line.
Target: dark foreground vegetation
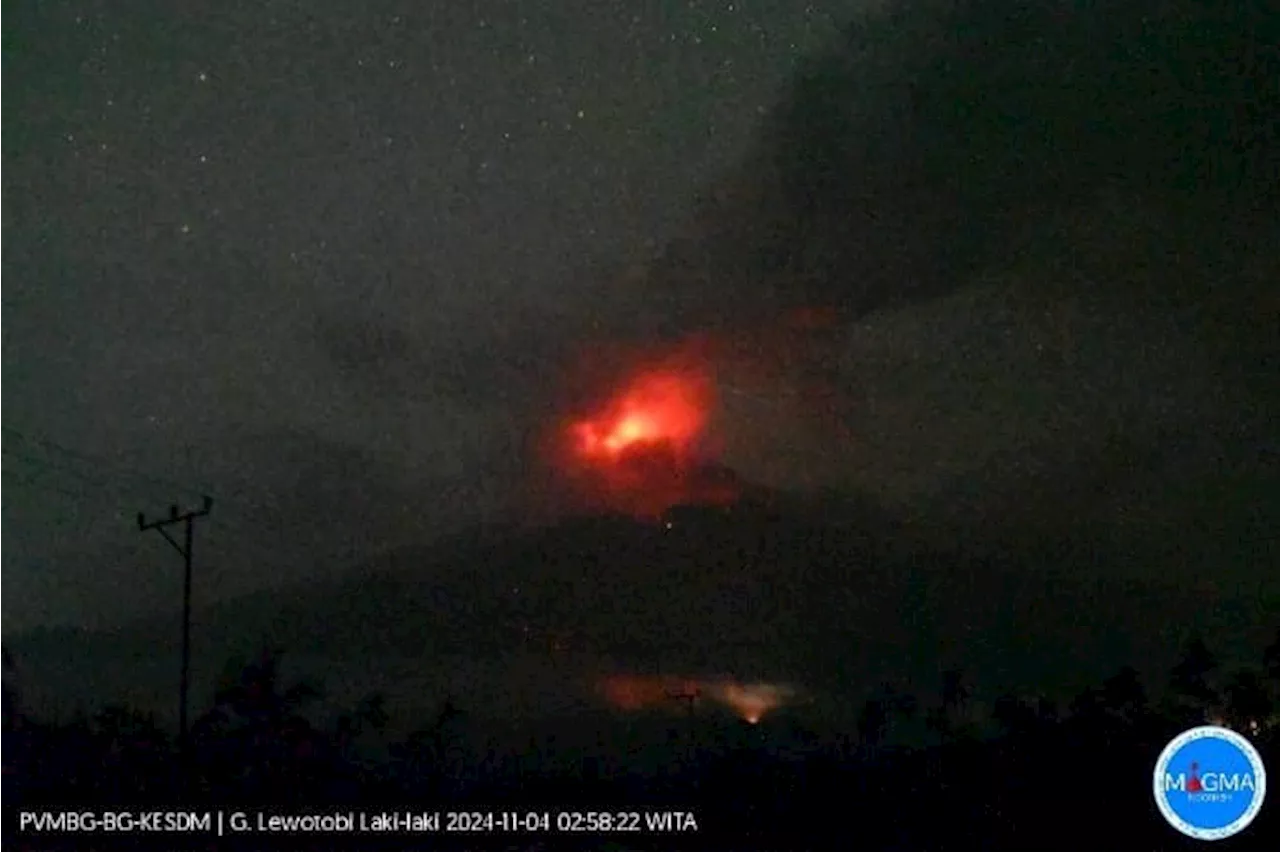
[1039, 776]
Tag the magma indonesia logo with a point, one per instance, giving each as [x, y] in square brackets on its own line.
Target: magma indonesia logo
[1209, 783]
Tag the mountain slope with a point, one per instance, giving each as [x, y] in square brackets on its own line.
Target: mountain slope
[524, 624]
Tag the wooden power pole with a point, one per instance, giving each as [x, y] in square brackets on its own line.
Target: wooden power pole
[187, 519]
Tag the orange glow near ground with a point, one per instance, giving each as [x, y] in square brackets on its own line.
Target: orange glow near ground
[751, 702]
[633, 693]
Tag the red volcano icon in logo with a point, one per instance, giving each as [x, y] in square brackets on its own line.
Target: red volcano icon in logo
[1193, 782]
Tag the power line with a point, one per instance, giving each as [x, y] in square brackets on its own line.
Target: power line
[264, 536]
[99, 462]
[45, 466]
[269, 540]
[239, 503]
[32, 482]
[102, 463]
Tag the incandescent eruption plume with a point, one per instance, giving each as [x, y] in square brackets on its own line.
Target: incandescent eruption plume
[646, 445]
[665, 408]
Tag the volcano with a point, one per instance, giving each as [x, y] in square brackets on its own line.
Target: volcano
[650, 479]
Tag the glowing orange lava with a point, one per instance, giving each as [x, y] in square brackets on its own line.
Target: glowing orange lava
[641, 450]
[669, 407]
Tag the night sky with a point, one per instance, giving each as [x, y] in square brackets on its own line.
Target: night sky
[337, 267]
[307, 258]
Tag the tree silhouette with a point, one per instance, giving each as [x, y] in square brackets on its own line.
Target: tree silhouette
[1015, 716]
[1088, 708]
[1247, 702]
[1123, 696]
[369, 716]
[133, 750]
[257, 702]
[431, 756]
[904, 705]
[247, 745]
[255, 733]
[123, 728]
[1191, 681]
[878, 716]
[946, 719]
[873, 722]
[955, 690]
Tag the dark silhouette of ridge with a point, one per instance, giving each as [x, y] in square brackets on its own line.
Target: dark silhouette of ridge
[827, 591]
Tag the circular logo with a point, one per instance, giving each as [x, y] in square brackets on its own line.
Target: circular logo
[1209, 783]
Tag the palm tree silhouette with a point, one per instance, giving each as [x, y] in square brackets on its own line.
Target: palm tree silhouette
[1191, 681]
[887, 706]
[955, 691]
[873, 722]
[945, 717]
[255, 733]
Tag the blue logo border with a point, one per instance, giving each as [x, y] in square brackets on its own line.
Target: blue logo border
[1255, 763]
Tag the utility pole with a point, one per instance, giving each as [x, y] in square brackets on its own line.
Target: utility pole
[187, 519]
[688, 693]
